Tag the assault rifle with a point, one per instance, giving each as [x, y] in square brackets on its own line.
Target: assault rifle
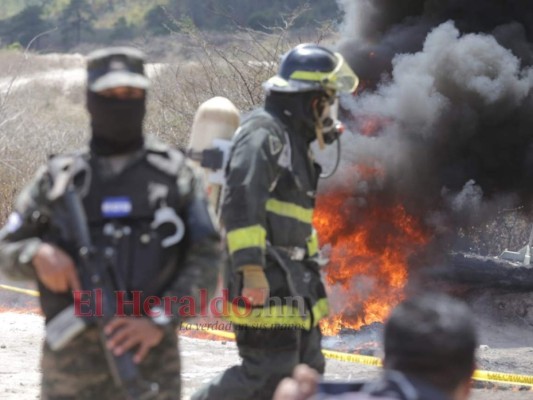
[72, 221]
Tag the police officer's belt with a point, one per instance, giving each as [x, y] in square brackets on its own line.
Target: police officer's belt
[294, 253]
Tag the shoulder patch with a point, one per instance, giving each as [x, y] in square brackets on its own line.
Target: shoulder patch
[274, 144]
[285, 159]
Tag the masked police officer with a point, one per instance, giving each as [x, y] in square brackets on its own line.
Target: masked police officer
[267, 211]
[148, 217]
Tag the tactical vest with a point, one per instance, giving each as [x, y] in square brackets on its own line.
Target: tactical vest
[134, 221]
[120, 212]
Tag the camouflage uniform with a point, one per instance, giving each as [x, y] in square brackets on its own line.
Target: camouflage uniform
[79, 371]
[149, 179]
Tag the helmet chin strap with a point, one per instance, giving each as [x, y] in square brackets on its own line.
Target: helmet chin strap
[319, 126]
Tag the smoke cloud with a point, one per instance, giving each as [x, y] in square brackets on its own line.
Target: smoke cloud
[442, 125]
[446, 108]
[375, 31]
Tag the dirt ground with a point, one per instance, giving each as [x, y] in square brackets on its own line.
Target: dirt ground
[21, 339]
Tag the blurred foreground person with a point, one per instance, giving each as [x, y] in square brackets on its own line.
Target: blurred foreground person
[274, 278]
[127, 221]
[429, 344]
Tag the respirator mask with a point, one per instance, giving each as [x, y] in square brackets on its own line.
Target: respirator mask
[327, 125]
[332, 128]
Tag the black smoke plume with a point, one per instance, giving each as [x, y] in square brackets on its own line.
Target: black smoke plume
[446, 107]
[442, 125]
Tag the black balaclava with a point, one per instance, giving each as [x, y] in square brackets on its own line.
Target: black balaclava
[295, 110]
[117, 124]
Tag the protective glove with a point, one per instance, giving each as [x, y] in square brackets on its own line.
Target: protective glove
[255, 285]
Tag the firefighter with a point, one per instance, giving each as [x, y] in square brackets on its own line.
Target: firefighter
[267, 211]
[152, 229]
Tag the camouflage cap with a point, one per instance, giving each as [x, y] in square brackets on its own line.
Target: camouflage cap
[114, 67]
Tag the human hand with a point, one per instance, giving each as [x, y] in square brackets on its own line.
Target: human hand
[55, 269]
[128, 332]
[255, 286]
[302, 385]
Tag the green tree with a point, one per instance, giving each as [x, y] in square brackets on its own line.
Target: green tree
[122, 30]
[24, 27]
[161, 20]
[75, 20]
[257, 14]
[21, 20]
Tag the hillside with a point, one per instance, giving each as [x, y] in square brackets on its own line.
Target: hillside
[60, 25]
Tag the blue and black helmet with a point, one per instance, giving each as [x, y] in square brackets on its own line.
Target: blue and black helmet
[309, 67]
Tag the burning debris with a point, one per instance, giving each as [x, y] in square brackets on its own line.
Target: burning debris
[365, 341]
[439, 142]
[368, 258]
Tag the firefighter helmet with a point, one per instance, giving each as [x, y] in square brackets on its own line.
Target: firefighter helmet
[309, 67]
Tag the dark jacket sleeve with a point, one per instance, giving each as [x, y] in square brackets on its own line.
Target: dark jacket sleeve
[203, 253]
[20, 237]
[252, 172]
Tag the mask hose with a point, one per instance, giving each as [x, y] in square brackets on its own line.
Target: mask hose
[337, 162]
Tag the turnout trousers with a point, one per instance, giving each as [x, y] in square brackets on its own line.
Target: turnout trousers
[268, 356]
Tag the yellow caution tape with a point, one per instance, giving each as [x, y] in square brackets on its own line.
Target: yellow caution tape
[502, 377]
[479, 375]
[353, 358]
[215, 332]
[224, 334]
[29, 292]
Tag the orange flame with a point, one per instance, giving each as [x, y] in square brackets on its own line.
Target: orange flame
[369, 126]
[370, 248]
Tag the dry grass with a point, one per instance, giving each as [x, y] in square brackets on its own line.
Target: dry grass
[207, 66]
[39, 115]
[43, 113]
